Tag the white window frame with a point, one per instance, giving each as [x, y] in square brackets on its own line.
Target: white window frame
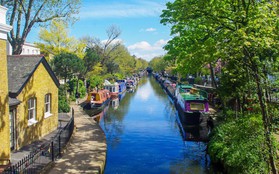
[48, 105]
[32, 110]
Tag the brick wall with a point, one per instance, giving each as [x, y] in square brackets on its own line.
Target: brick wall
[38, 86]
[4, 106]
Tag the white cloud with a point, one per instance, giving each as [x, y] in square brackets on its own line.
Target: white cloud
[146, 50]
[150, 29]
[136, 9]
[115, 41]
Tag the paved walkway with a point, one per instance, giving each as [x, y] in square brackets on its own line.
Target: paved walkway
[16, 156]
[86, 152]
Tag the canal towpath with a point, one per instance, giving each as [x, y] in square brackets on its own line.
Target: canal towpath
[86, 152]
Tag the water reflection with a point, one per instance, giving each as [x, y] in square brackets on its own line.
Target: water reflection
[143, 135]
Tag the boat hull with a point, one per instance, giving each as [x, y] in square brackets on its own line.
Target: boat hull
[189, 118]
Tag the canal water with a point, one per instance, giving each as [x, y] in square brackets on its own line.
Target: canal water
[144, 135]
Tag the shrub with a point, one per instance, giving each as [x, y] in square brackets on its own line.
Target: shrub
[239, 145]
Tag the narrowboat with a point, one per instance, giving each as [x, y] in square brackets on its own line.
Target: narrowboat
[113, 88]
[130, 84]
[122, 85]
[97, 99]
[192, 102]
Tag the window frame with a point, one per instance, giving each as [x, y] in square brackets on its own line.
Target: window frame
[31, 110]
[47, 105]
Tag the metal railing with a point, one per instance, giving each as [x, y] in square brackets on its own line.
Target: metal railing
[38, 159]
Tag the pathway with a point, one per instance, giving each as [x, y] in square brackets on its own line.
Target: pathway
[86, 152]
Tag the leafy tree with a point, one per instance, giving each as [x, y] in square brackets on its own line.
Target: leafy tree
[90, 59]
[104, 48]
[63, 104]
[158, 64]
[67, 65]
[24, 15]
[205, 31]
[56, 40]
[123, 59]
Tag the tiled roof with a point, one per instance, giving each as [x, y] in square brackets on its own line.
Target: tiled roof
[21, 68]
[13, 101]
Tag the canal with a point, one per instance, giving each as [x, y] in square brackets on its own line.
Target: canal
[144, 135]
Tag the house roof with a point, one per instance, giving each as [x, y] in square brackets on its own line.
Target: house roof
[21, 68]
[13, 101]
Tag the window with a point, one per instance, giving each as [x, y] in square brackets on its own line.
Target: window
[47, 105]
[32, 111]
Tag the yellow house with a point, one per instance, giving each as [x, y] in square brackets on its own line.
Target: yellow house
[33, 92]
[4, 99]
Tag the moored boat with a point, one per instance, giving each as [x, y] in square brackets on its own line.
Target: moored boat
[97, 99]
[122, 85]
[113, 88]
[130, 84]
[192, 102]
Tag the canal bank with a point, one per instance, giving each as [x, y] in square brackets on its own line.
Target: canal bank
[87, 150]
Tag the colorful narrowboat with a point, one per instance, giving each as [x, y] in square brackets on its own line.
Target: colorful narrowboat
[130, 84]
[113, 89]
[192, 102]
[97, 99]
[122, 85]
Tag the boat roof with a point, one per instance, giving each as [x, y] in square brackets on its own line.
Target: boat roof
[99, 91]
[188, 96]
[185, 86]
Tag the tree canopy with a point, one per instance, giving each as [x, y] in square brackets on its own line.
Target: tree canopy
[24, 15]
[242, 34]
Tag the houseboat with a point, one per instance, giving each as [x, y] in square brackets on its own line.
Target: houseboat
[192, 102]
[97, 99]
[113, 88]
[130, 84]
[122, 86]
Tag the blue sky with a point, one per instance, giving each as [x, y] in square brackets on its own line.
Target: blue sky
[138, 20]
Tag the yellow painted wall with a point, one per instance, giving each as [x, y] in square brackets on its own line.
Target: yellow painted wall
[4, 104]
[38, 86]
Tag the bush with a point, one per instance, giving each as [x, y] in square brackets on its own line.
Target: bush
[239, 145]
[63, 105]
[198, 80]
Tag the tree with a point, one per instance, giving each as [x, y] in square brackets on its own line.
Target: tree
[67, 65]
[56, 40]
[105, 48]
[206, 31]
[90, 59]
[24, 15]
[158, 64]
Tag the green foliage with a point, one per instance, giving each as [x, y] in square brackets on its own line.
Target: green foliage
[198, 80]
[90, 59]
[24, 15]
[239, 145]
[55, 40]
[95, 81]
[73, 87]
[63, 104]
[158, 64]
[67, 65]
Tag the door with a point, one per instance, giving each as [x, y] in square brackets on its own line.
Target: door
[12, 129]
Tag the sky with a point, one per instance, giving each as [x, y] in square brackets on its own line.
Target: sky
[138, 20]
